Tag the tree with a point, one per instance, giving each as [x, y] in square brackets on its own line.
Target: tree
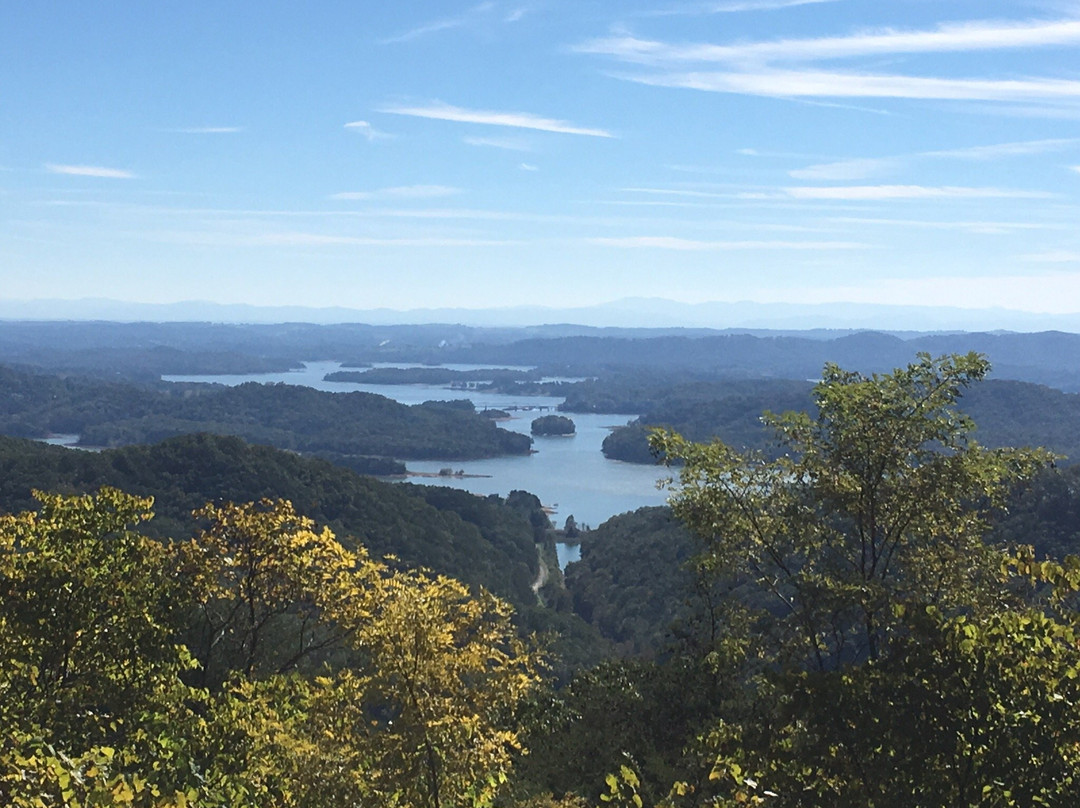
[878, 501]
[552, 425]
[93, 710]
[88, 612]
[271, 591]
[924, 673]
[424, 717]
[446, 674]
[418, 709]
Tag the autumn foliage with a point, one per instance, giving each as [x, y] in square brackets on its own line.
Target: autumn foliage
[259, 663]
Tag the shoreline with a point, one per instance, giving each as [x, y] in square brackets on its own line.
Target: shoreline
[436, 475]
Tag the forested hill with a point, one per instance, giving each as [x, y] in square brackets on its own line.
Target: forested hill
[1044, 358]
[147, 350]
[1006, 413]
[477, 540]
[286, 416]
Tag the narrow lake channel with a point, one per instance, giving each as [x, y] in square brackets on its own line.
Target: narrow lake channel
[570, 475]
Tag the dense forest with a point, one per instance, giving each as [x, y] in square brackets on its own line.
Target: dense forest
[1008, 413]
[855, 621]
[861, 597]
[349, 427]
[483, 541]
[145, 351]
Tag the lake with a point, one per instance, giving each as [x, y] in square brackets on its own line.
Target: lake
[570, 475]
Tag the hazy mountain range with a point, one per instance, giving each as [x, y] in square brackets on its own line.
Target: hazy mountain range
[623, 313]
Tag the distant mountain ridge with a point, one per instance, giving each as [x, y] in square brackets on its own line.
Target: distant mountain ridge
[622, 313]
[144, 351]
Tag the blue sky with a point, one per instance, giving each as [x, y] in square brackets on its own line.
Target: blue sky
[556, 152]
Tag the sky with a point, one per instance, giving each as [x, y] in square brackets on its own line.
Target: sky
[542, 152]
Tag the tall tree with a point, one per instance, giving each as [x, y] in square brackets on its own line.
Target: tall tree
[270, 588]
[879, 499]
[906, 666]
[88, 612]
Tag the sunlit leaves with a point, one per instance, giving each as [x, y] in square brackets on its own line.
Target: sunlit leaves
[880, 498]
[271, 590]
[922, 676]
[418, 710]
[447, 671]
[88, 613]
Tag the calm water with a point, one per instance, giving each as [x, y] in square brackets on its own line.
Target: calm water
[570, 475]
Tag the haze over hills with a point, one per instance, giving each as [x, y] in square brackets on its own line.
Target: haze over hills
[621, 313]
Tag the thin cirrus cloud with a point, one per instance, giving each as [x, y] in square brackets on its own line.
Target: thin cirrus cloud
[760, 5]
[981, 227]
[680, 192]
[772, 67]
[507, 143]
[401, 192]
[300, 239]
[973, 36]
[692, 245]
[207, 130]
[473, 15]
[856, 169]
[90, 171]
[699, 9]
[824, 84]
[517, 120]
[422, 30]
[1053, 257]
[996, 150]
[879, 192]
[863, 168]
[367, 130]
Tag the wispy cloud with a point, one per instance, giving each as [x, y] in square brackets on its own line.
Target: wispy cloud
[300, 239]
[998, 150]
[761, 5]
[688, 192]
[791, 69]
[652, 203]
[823, 84]
[508, 143]
[90, 171]
[477, 14]
[367, 130]
[207, 130]
[401, 192]
[864, 168]
[529, 167]
[748, 152]
[731, 7]
[1053, 257]
[876, 192]
[691, 245]
[518, 120]
[434, 26]
[856, 169]
[973, 36]
[990, 227]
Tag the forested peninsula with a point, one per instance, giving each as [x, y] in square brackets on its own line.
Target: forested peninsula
[344, 425]
[1008, 413]
[484, 541]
